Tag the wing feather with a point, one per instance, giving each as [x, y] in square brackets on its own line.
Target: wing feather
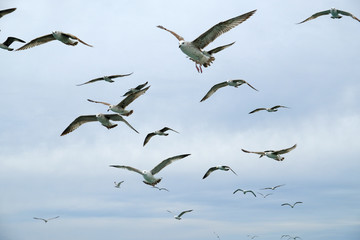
[128, 168]
[37, 41]
[210, 35]
[209, 171]
[105, 103]
[78, 122]
[6, 11]
[213, 90]
[147, 138]
[260, 153]
[130, 98]
[117, 117]
[257, 110]
[285, 150]
[178, 37]
[10, 40]
[316, 15]
[166, 162]
[183, 212]
[76, 38]
[167, 129]
[348, 14]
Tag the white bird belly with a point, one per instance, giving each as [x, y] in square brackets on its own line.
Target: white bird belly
[194, 53]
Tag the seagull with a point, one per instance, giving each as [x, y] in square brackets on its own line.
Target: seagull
[46, 220]
[105, 78]
[178, 217]
[292, 206]
[160, 189]
[234, 83]
[286, 235]
[273, 188]
[273, 154]
[117, 185]
[149, 177]
[6, 11]
[218, 167]
[244, 191]
[335, 14]
[264, 195]
[8, 42]
[120, 107]
[252, 237]
[194, 50]
[272, 109]
[57, 35]
[104, 119]
[136, 89]
[161, 132]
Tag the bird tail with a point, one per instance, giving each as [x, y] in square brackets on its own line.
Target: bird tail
[112, 126]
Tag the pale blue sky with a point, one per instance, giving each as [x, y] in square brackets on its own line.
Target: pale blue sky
[313, 68]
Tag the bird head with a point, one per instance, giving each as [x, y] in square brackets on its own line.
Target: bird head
[181, 43]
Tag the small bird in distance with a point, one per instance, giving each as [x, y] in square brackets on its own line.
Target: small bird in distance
[244, 191]
[46, 220]
[218, 167]
[178, 217]
[288, 204]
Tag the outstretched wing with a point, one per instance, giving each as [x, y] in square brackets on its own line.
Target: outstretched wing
[130, 98]
[166, 162]
[348, 14]
[75, 37]
[238, 190]
[257, 110]
[231, 169]
[6, 11]
[78, 122]
[147, 138]
[10, 40]
[316, 15]
[128, 168]
[40, 219]
[251, 86]
[284, 204]
[260, 153]
[53, 218]
[218, 49]
[120, 75]
[138, 88]
[213, 90]
[250, 192]
[209, 171]
[166, 129]
[91, 81]
[284, 150]
[37, 41]
[183, 212]
[117, 117]
[297, 203]
[105, 103]
[210, 35]
[178, 37]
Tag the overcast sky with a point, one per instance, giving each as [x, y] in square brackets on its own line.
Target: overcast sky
[312, 68]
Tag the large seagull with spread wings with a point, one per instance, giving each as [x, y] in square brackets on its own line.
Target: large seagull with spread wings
[194, 50]
[149, 177]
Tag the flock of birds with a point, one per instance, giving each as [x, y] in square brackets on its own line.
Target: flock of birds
[195, 52]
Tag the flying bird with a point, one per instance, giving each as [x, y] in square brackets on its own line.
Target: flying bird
[161, 132]
[46, 220]
[252, 236]
[218, 167]
[6, 11]
[335, 14]
[120, 107]
[194, 50]
[5, 45]
[104, 119]
[292, 206]
[136, 89]
[117, 185]
[178, 217]
[276, 155]
[160, 189]
[234, 83]
[105, 78]
[272, 109]
[149, 177]
[244, 191]
[273, 188]
[65, 38]
[265, 195]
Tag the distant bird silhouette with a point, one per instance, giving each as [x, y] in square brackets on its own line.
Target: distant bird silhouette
[194, 50]
[46, 220]
[218, 167]
[5, 45]
[6, 11]
[161, 132]
[273, 188]
[136, 89]
[149, 177]
[57, 35]
[217, 235]
[252, 236]
[120, 107]
[234, 83]
[265, 195]
[335, 14]
[276, 155]
[104, 119]
[117, 185]
[292, 206]
[244, 191]
[290, 237]
[160, 189]
[105, 78]
[178, 217]
[272, 109]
